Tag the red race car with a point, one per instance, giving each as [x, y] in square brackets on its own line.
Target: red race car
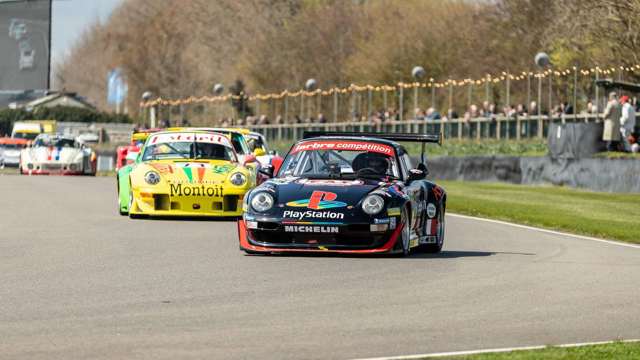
[137, 139]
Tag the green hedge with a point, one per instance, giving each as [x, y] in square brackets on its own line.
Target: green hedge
[58, 113]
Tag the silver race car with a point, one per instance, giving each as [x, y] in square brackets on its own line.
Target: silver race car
[57, 155]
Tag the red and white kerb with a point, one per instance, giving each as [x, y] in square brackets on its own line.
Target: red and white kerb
[190, 137]
[344, 145]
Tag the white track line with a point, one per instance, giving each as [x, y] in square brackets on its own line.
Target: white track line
[611, 242]
[500, 350]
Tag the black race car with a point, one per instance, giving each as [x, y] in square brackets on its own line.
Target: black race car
[346, 193]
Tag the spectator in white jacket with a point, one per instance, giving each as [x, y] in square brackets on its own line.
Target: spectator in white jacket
[627, 121]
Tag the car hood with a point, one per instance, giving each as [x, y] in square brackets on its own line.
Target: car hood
[313, 200]
[297, 192]
[191, 172]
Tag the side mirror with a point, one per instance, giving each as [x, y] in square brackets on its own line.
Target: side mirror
[417, 174]
[259, 152]
[267, 170]
[249, 159]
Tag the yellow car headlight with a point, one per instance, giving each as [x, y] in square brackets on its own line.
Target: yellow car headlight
[152, 177]
[238, 179]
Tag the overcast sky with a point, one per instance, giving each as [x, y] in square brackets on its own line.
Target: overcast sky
[71, 17]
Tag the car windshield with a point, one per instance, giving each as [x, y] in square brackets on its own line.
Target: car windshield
[10, 146]
[60, 143]
[25, 135]
[315, 160]
[188, 150]
[256, 142]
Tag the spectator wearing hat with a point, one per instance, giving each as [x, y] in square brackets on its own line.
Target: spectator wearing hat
[627, 121]
[612, 114]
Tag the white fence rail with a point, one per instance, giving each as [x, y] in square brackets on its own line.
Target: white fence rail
[499, 127]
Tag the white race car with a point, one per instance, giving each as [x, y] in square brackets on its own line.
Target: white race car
[55, 154]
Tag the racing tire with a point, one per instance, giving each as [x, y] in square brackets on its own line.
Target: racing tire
[122, 213]
[437, 247]
[405, 235]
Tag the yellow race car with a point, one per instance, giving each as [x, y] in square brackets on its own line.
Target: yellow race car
[186, 173]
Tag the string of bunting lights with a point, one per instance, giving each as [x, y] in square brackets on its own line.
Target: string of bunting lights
[491, 79]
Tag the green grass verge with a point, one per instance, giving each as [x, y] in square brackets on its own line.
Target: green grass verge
[604, 215]
[462, 147]
[617, 351]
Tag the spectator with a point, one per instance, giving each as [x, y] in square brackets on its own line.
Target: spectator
[520, 110]
[279, 120]
[627, 121]
[533, 109]
[432, 114]
[486, 109]
[452, 114]
[165, 123]
[297, 120]
[473, 111]
[185, 123]
[591, 109]
[633, 141]
[567, 108]
[492, 111]
[263, 120]
[612, 113]
[322, 119]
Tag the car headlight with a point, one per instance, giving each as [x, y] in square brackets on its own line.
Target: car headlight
[152, 177]
[262, 201]
[238, 179]
[372, 204]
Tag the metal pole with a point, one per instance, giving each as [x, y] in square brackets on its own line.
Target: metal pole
[286, 109]
[401, 104]
[433, 96]
[575, 94]
[450, 98]
[335, 106]
[301, 106]
[550, 93]
[415, 100]
[597, 99]
[257, 107]
[486, 90]
[384, 98]
[540, 105]
[528, 91]
[369, 100]
[353, 105]
[508, 90]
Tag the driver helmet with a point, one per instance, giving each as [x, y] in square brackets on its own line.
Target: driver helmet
[375, 161]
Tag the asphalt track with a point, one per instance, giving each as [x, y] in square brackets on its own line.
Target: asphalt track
[78, 281]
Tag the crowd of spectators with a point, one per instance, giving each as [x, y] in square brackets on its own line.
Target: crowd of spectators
[618, 116]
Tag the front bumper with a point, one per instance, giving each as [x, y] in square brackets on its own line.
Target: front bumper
[152, 203]
[345, 242]
[10, 161]
[53, 172]
[53, 169]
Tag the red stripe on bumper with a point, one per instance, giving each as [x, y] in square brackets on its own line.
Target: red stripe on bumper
[245, 245]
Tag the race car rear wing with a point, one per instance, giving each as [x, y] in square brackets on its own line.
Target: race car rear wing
[420, 138]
